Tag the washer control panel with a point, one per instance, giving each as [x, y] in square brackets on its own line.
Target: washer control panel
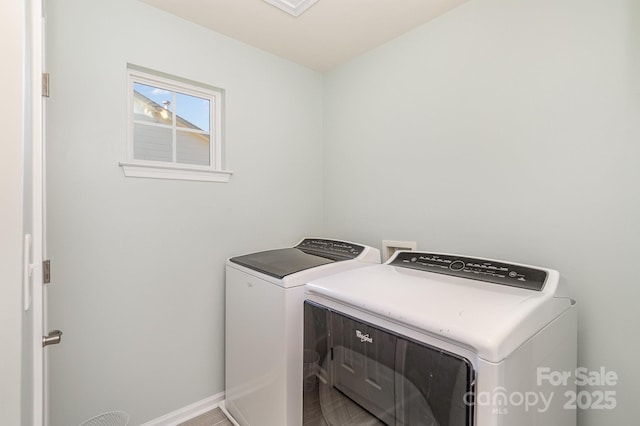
[330, 247]
[473, 268]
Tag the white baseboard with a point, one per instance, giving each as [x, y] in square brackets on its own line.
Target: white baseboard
[183, 414]
[223, 408]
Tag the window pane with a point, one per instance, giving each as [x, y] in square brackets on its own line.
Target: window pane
[152, 143]
[152, 104]
[193, 148]
[192, 112]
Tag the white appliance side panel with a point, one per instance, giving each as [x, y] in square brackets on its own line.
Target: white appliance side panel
[552, 351]
[255, 364]
[294, 342]
[513, 392]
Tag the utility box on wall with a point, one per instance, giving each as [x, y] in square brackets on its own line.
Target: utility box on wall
[389, 247]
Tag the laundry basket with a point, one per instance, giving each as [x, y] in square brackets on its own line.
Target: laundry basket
[112, 418]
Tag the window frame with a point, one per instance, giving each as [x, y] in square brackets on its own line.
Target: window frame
[214, 172]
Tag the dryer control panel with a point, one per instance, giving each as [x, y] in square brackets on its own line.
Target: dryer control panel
[331, 248]
[473, 268]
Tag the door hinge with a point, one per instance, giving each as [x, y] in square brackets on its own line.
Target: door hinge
[46, 271]
[45, 84]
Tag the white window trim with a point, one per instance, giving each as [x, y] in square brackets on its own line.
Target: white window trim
[157, 171]
[164, 170]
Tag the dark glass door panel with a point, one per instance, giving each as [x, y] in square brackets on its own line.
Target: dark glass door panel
[316, 363]
[432, 386]
[369, 376]
[363, 361]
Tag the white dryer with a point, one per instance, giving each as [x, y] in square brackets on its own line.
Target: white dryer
[432, 339]
[264, 305]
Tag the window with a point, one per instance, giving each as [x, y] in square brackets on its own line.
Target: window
[175, 128]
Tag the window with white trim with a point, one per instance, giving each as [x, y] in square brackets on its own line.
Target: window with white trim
[175, 128]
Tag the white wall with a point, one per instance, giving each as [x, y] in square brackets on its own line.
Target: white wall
[508, 129]
[512, 126]
[12, 23]
[138, 264]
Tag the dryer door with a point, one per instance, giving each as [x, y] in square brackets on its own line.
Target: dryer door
[433, 387]
[363, 365]
[369, 376]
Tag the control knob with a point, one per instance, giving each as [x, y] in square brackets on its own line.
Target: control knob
[457, 265]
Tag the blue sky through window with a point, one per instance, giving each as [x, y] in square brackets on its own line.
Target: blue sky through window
[191, 108]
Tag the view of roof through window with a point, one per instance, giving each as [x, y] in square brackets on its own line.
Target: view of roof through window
[191, 111]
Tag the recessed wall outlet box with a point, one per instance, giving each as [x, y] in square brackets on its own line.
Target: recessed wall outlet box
[389, 247]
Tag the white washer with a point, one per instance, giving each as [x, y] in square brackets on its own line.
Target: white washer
[441, 340]
[264, 303]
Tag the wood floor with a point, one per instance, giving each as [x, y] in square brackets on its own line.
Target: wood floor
[323, 406]
[210, 418]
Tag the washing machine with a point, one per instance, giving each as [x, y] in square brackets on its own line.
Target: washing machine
[264, 306]
[433, 339]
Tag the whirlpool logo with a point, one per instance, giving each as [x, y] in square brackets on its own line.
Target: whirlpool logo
[363, 337]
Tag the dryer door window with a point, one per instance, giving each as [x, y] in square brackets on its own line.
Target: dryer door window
[363, 364]
[369, 376]
[432, 387]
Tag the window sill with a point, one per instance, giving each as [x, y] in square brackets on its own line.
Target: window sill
[158, 171]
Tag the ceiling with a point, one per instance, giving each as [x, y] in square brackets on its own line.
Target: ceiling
[329, 33]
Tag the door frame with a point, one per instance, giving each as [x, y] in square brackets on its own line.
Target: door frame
[35, 133]
[13, 215]
[21, 227]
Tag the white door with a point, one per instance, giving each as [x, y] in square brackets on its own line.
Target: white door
[35, 334]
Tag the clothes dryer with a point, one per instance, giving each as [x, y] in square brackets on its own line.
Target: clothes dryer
[431, 339]
[264, 305]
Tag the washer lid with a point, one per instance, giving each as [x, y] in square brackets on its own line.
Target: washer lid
[310, 253]
[281, 262]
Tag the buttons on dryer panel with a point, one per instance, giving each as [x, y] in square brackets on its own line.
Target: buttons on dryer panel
[474, 268]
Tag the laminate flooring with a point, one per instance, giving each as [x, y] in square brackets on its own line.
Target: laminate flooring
[323, 406]
[211, 418]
